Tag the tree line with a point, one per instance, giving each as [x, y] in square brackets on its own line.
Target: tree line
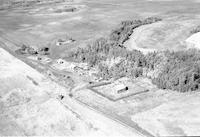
[125, 29]
[180, 70]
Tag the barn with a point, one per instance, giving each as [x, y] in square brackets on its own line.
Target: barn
[120, 88]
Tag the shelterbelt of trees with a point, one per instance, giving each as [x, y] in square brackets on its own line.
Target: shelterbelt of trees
[178, 71]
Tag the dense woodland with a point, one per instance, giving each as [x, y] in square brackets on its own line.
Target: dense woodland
[180, 70]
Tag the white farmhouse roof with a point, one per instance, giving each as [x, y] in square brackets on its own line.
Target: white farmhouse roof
[194, 41]
[119, 87]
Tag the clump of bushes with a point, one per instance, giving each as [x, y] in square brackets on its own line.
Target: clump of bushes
[195, 30]
[27, 50]
[44, 51]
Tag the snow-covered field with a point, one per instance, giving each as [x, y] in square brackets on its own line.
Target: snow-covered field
[178, 117]
[169, 34]
[194, 41]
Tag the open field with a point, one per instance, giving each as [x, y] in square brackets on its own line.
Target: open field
[36, 27]
[58, 101]
[178, 117]
[157, 112]
[169, 34]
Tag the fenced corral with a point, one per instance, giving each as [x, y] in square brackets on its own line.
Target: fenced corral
[121, 89]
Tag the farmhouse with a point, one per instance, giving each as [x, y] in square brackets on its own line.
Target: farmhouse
[61, 64]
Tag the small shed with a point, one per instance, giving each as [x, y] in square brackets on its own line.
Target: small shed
[61, 42]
